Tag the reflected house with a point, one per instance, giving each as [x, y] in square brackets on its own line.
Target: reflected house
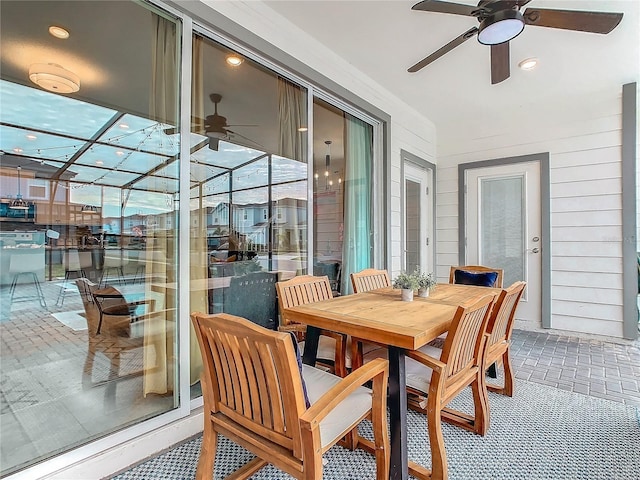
[252, 222]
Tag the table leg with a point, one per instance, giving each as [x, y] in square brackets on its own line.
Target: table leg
[311, 341]
[399, 467]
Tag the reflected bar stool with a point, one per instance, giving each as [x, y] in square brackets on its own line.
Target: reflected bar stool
[74, 264]
[30, 264]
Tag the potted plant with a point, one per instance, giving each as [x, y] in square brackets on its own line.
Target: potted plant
[408, 283]
[426, 281]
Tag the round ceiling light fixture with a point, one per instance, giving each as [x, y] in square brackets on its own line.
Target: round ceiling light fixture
[234, 59]
[59, 32]
[500, 27]
[54, 78]
[528, 63]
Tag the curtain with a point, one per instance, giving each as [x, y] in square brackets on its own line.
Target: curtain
[292, 114]
[161, 249]
[357, 243]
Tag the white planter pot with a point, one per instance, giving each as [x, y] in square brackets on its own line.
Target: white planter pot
[407, 295]
[423, 292]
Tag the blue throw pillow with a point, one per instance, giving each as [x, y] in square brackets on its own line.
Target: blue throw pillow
[296, 348]
[482, 279]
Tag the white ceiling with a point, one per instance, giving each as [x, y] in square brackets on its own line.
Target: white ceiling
[383, 38]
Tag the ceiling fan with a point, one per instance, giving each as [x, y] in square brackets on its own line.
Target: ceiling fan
[214, 126]
[501, 21]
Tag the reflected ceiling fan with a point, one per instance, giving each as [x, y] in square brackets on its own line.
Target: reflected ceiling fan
[501, 21]
[215, 126]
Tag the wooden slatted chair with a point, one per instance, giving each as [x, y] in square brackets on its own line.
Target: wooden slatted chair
[476, 275]
[254, 387]
[363, 281]
[370, 279]
[441, 374]
[304, 289]
[499, 329]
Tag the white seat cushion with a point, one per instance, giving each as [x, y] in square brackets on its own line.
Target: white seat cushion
[347, 413]
[418, 376]
[327, 350]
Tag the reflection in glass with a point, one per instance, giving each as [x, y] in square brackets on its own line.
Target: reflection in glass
[248, 188]
[341, 195]
[94, 257]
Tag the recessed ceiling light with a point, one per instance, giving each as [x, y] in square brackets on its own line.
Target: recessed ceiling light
[528, 63]
[31, 136]
[17, 150]
[234, 59]
[58, 32]
[99, 162]
[123, 126]
[303, 129]
[119, 153]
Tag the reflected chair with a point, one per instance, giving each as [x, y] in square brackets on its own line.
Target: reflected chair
[369, 279]
[31, 265]
[441, 374]
[75, 264]
[304, 289]
[253, 296]
[363, 281]
[499, 340]
[478, 275]
[254, 393]
[111, 302]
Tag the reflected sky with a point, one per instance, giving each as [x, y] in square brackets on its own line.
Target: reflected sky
[112, 150]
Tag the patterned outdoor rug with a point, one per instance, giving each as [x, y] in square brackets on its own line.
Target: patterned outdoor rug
[542, 433]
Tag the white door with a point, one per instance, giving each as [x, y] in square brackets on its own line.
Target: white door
[418, 208]
[504, 226]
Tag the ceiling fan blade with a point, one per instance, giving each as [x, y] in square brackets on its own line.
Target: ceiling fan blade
[441, 51]
[247, 139]
[445, 7]
[594, 22]
[499, 62]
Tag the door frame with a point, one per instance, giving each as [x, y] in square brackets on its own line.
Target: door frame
[545, 220]
[407, 157]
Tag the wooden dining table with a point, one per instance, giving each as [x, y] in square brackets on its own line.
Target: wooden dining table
[380, 316]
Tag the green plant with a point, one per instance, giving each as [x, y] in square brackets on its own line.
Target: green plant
[425, 280]
[405, 281]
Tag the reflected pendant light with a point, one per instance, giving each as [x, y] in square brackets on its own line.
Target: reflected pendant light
[91, 209]
[327, 164]
[19, 203]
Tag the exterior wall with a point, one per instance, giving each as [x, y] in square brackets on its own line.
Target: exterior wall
[586, 205]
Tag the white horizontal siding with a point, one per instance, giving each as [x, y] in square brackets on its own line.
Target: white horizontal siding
[586, 207]
[593, 326]
[588, 249]
[606, 296]
[585, 279]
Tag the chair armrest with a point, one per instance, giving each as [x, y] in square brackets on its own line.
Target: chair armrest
[433, 363]
[319, 410]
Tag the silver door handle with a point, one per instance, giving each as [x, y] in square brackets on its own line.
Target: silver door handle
[533, 250]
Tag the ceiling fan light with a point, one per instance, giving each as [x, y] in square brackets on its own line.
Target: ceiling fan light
[54, 78]
[501, 27]
[91, 209]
